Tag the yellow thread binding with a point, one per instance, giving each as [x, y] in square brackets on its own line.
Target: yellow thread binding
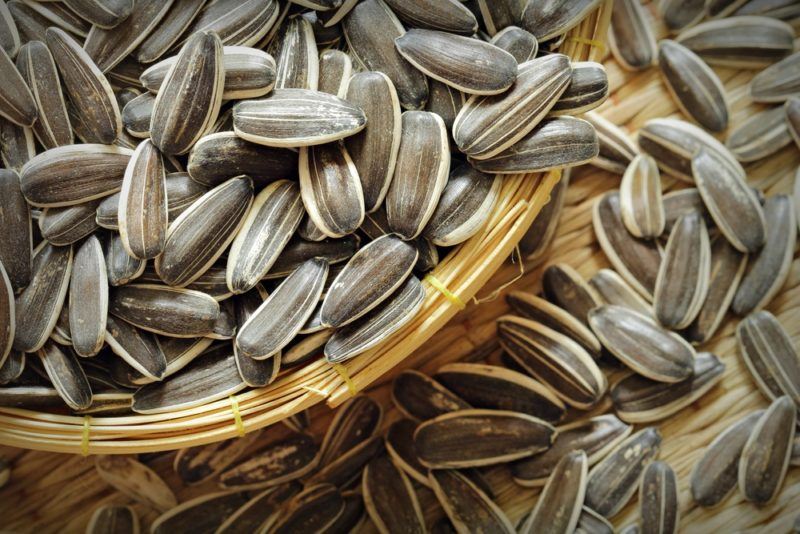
[237, 416]
[87, 425]
[600, 45]
[342, 370]
[449, 295]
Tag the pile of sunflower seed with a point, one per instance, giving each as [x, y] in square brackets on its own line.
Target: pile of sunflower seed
[257, 183]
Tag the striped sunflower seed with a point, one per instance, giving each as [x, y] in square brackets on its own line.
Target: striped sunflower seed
[142, 216]
[368, 279]
[768, 269]
[498, 388]
[378, 324]
[178, 351]
[420, 174]
[17, 145]
[782, 9]
[683, 278]
[614, 290]
[459, 61]
[637, 341]
[165, 310]
[722, 8]
[390, 499]
[590, 522]
[74, 174]
[38, 306]
[474, 438]
[616, 149]
[30, 397]
[345, 470]
[766, 453]
[16, 242]
[614, 480]
[536, 241]
[487, 125]
[498, 14]
[296, 55]
[335, 70]
[631, 38]
[658, 499]
[678, 15]
[298, 251]
[370, 30]
[60, 332]
[466, 505]
[449, 15]
[279, 462]
[160, 39]
[87, 88]
[355, 422]
[296, 117]
[137, 115]
[464, 206]
[520, 43]
[16, 100]
[792, 108]
[13, 367]
[260, 511]
[137, 348]
[640, 198]
[777, 82]
[553, 144]
[761, 135]
[683, 201]
[374, 149]
[727, 269]
[596, 436]
[255, 373]
[9, 36]
[135, 480]
[102, 13]
[66, 375]
[695, 87]
[550, 18]
[313, 510]
[715, 475]
[421, 398]
[206, 512]
[237, 22]
[559, 506]
[640, 400]
[770, 356]
[182, 116]
[111, 519]
[554, 359]
[36, 65]
[555, 317]
[63, 226]
[195, 465]
[88, 298]
[29, 24]
[565, 287]
[740, 42]
[215, 369]
[731, 203]
[400, 447]
[7, 319]
[199, 236]
[588, 89]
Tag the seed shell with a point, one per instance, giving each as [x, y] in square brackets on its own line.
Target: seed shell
[498, 14]
[195, 465]
[547, 19]
[520, 43]
[640, 198]
[777, 82]
[683, 201]
[16, 100]
[88, 298]
[66, 375]
[279, 462]
[13, 366]
[259, 511]
[313, 510]
[792, 108]
[445, 101]
[400, 447]
[420, 397]
[142, 218]
[113, 519]
[296, 55]
[559, 506]
[160, 39]
[588, 89]
[335, 70]
[103, 13]
[16, 242]
[63, 226]
[345, 470]
[355, 422]
[616, 149]
[255, 373]
[448, 15]
[237, 22]
[137, 116]
[590, 522]
[565, 287]
[138, 348]
[221, 156]
[9, 36]
[17, 145]
[390, 498]
[631, 38]
[761, 135]
[658, 498]
[135, 480]
[466, 505]
[536, 242]
[614, 290]
[679, 14]
[205, 513]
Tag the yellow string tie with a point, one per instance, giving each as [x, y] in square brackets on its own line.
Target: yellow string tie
[449, 295]
[237, 416]
[87, 425]
[342, 370]
[600, 45]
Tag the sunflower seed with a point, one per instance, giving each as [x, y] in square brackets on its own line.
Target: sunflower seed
[640, 198]
[466, 505]
[178, 351]
[102, 13]
[768, 269]
[255, 373]
[17, 145]
[374, 150]
[13, 366]
[30, 24]
[137, 115]
[89, 288]
[110, 403]
[631, 38]
[678, 14]
[110, 519]
[400, 447]
[281, 461]
[135, 480]
[370, 30]
[766, 453]
[554, 359]
[313, 510]
[566, 288]
[559, 506]
[658, 499]
[474, 438]
[63, 226]
[555, 143]
[9, 36]
[535, 243]
[767, 350]
[16, 100]
[196, 465]
[445, 101]
[347, 468]
[66, 374]
[16, 239]
[614, 290]
[324, 35]
[158, 41]
[205, 513]
[296, 117]
[760, 135]
[358, 288]
[335, 251]
[260, 510]
[137, 348]
[487, 125]
[590, 522]
[390, 498]
[7, 318]
[641, 400]
[215, 369]
[498, 14]
[520, 43]
[237, 22]
[588, 89]
[551, 18]
[357, 421]
[36, 65]
[792, 108]
[448, 15]
[780, 9]
[683, 201]
[335, 69]
[777, 82]
[616, 149]
[727, 269]
[120, 267]
[420, 397]
[165, 310]
[60, 333]
[722, 8]
[615, 479]
[38, 306]
[199, 236]
[30, 397]
[296, 55]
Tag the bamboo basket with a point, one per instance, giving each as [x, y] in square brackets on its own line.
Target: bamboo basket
[455, 281]
[58, 493]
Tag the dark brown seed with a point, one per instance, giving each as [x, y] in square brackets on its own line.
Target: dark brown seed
[550, 18]
[400, 446]
[139, 349]
[103, 13]
[142, 215]
[640, 198]
[766, 454]
[520, 43]
[467, 506]
[255, 373]
[420, 397]
[347, 468]
[205, 513]
[536, 241]
[390, 498]
[88, 298]
[157, 42]
[658, 499]
[13, 367]
[792, 108]
[445, 101]
[681, 202]
[768, 269]
[777, 82]
[63, 226]
[335, 251]
[631, 38]
[355, 422]
[566, 288]
[588, 88]
[313, 510]
[261, 510]
[165, 310]
[7, 319]
[759, 136]
[16, 101]
[614, 290]
[296, 55]
[195, 465]
[279, 462]
[448, 15]
[335, 70]
[370, 30]
[559, 506]
[16, 240]
[680, 14]
[67, 376]
[616, 149]
[637, 341]
[112, 519]
[615, 479]
[590, 522]
[17, 145]
[9, 36]
[137, 115]
[237, 22]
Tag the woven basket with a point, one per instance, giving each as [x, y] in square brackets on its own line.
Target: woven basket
[454, 281]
